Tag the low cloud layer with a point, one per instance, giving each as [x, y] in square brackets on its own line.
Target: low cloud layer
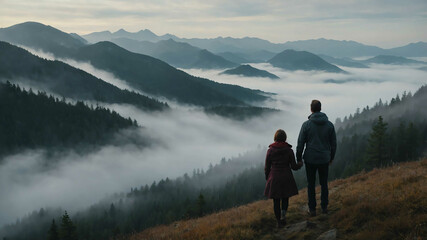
[295, 90]
[185, 137]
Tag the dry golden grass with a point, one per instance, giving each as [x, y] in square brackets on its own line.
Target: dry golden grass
[382, 204]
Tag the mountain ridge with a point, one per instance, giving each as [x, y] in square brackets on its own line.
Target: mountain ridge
[150, 75]
[331, 47]
[343, 62]
[157, 77]
[417, 49]
[141, 35]
[391, 59]
[18, 65]
[177, 54]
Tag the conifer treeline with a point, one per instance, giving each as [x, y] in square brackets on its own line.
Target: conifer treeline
[380, 136]
[67, 230]
[29, 120]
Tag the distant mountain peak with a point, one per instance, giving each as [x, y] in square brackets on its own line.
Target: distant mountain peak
[417, 43]
[78, 37]
[39, 36]
[170, 40]
[293, 60]
[145, 31]
[30, 23]
[106, 45]
[249, 71]
[417, 49]
[204, 51]
[102, 32]
[121, 30]
[168, 35]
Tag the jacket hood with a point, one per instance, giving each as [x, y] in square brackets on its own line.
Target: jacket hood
[318, 118]
[280, 145]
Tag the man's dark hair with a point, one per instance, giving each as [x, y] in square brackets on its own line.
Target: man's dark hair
[280, 136]
[316, 106]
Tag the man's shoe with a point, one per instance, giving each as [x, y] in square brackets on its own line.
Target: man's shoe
[283, 215]
[311, 212]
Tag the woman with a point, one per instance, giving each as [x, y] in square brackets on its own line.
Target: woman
[280, 184]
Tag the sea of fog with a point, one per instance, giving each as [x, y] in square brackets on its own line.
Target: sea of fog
[185, 138]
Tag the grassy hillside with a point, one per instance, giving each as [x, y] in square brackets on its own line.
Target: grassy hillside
[386, 203]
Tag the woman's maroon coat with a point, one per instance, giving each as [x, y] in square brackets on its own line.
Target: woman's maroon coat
[278, 163]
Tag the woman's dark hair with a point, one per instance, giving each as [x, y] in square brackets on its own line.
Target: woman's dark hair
[280, 136]
[316, 106]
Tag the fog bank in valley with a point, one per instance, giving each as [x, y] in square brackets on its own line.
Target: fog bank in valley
[185, 138]
[357, 89]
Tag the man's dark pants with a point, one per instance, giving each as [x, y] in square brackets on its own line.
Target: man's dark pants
[311, 170]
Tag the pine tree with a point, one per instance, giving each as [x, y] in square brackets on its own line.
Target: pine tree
[68, 230]
[116, 232]
[397, 98]
[200, 204]
[412, 141]
[376, 152]
[112, 211]
[52, 234]
[401, 146]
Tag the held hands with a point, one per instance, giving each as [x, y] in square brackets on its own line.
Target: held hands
[299, 164]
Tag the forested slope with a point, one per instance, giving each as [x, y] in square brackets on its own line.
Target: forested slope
[382, 135]
[30, 121]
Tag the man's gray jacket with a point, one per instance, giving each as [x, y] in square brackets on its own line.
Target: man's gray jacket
[318, 136]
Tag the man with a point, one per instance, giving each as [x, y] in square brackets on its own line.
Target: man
[318, 136]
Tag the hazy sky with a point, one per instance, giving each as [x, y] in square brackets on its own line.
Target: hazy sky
[385, 23]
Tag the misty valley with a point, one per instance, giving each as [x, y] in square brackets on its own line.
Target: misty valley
[107, 134]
